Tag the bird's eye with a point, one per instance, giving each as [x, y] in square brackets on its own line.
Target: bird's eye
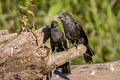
[64, 15]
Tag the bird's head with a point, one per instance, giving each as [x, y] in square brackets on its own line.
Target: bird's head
[54, 24]
[65, 17]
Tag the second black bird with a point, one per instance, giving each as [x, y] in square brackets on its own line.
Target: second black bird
[75, 34]
[59, 43]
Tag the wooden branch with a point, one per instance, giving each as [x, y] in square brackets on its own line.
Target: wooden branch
[22, 42]
[22, 59]
[100, 71]
[4, 39]
[60, 58]
[22, 55]
[4, 32]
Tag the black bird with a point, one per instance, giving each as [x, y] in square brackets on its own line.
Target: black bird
[76, 35]
[59, 43]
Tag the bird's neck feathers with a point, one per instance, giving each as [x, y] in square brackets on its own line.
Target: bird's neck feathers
[56, 28]
[69, 21]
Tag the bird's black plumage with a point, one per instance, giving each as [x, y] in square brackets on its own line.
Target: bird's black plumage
[59, 43]
[58, 40]
[75, 34]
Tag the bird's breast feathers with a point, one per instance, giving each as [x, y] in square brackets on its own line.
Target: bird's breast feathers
[56, 35]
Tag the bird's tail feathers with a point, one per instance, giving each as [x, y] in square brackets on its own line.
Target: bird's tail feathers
[66, 68]
[88, 55]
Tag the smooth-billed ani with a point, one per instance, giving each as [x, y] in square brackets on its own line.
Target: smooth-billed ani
[59, 43]
[76, 35]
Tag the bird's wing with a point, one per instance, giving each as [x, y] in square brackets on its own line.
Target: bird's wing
[47, 33]
[52, 45]
[82, 32]
[64, 41]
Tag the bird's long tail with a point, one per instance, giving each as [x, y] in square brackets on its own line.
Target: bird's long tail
[66, 68]
[88, 55]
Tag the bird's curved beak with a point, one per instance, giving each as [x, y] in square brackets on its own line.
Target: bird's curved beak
[59, 17]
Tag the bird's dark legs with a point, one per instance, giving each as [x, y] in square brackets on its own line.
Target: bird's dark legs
[64, 44]
[55, 49]
[76, 44]
[70, 43]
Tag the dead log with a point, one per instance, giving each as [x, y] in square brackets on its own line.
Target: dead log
[4, 32]
[22, 55]
[22, 59]
[99, 71]
[5, 39]
[60, 58]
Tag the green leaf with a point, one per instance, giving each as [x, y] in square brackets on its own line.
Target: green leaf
[22, 7]
[30, 12]
[24, 22]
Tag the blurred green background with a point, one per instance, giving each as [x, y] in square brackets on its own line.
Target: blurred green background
[100, 19]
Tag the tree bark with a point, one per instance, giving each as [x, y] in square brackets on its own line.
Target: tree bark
[23, 59]
[4, 39]
[99, 71]
[4, 32]
[60, 58]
